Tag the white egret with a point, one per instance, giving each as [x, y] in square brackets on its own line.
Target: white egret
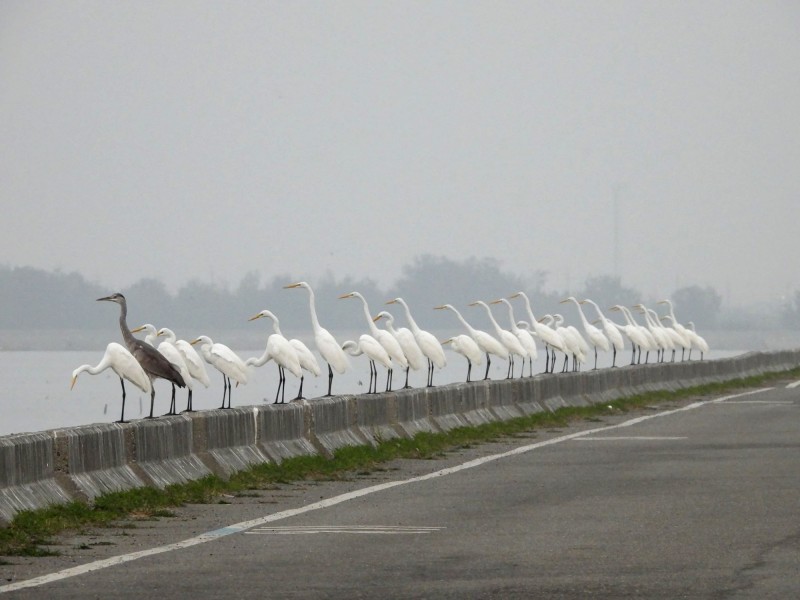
[638, 335]
[698, 341]
[172, 354]
[548, 335]
[675, 337]
[224, 360]
[523, 335]
[596, 337]
[122, 362]
[426, 341]
[197, 370]
[466, 347]
[151, 360]
[373, 350]
[327, 345]
[486, 342]
[416, 359]
[682, 331]
[508, 339]
[385, 339]
[281, 351]
[610, 329]
[662, 339]
[574, 340]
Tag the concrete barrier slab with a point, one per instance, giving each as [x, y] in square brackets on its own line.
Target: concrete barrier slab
[333, 424]
[226, 439]
[27, 475]
[164, 451]
[376, 415]
[444, 406]
[95, 458]
[411, 407]
[283, 430]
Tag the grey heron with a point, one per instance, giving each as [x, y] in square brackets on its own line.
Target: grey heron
[151, 360]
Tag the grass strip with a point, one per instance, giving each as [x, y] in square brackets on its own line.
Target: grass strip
[31, 533]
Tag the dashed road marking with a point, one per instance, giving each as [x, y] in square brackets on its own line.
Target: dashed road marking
[360, 529]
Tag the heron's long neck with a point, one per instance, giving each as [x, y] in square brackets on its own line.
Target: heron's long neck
[511, 316]
[597, 308]
[127, 336]
[530, 310]
[276, 326]
[491, 318]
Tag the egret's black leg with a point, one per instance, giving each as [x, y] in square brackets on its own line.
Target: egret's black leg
[152, 400]
[330, 379]
[488, 362]
[388, 380]
[595, 358]
[189, 402]
[300, 392]
[406, 386]
[122, 416]
[469, 369]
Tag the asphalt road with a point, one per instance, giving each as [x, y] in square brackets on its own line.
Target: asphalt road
[691, 500]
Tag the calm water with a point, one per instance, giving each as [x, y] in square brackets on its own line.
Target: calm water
[38, 395]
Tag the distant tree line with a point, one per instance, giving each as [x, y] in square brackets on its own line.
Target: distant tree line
[35, 299]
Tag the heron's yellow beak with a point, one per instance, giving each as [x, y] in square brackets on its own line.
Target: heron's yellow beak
[350, 295]
[253, 318]
[72, 385]
[138, 329]
[193, 342]
[378, 318]
[291, 285]
[439, 307]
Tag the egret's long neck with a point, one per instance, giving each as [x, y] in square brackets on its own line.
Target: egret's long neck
[497, 327]
[409, 318]
[276, 325]
[597, 308]
[511, 316]
[370, 323]
[580, 312]
[313, 309]
[463, 320]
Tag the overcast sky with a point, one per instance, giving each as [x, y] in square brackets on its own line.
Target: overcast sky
[192, 139]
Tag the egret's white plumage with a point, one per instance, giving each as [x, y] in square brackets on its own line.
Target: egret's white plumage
[281, 351]
[698, 341]
[426, 341]
[574, 340]
[488, 344]
[596, 337]
[508, 339]
[411, 350]
[682, 331]
[524, 336]
[385, 339]
[224, 360]
[373, 350]
[611, 331]
[119, 359]
[194, 364]
[548, 335]
[327, 346]
[466, 347]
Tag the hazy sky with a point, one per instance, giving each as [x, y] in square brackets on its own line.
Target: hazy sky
[192, 139]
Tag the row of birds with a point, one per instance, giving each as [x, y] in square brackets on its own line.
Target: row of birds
[177, 361]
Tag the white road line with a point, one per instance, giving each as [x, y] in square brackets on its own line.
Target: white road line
[360, 529]
[794, 384]
[631, 437]
[285, 514]
[779, 402]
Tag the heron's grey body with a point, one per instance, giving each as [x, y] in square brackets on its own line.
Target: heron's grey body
[152, 361]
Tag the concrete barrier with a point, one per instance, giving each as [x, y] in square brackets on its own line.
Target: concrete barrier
[96, 459]
[164, 451]
[54, 467]
[411, 408]
[284, 430]
[333, 424]
[376, 415]
[27, 474]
